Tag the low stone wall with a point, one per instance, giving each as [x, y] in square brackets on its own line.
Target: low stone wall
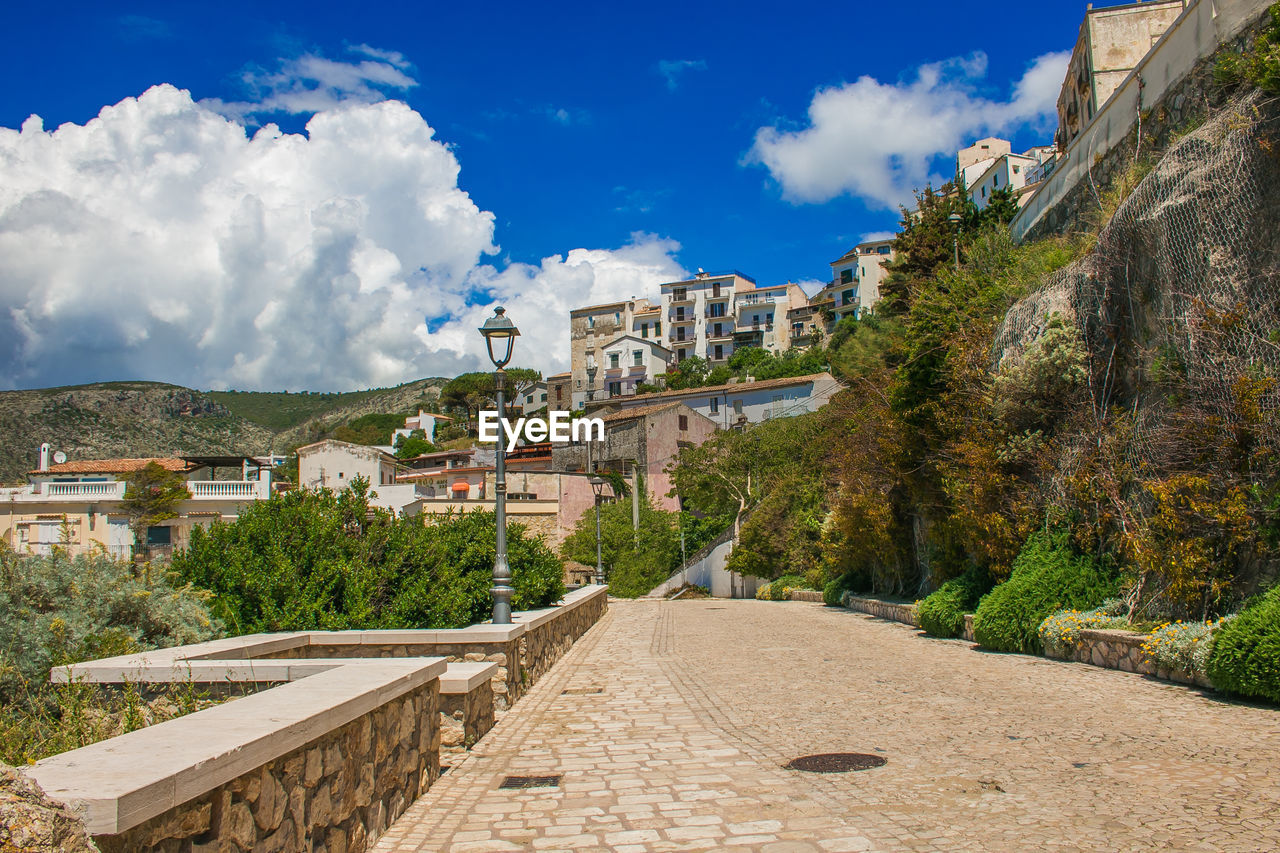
[338, 792]
[550, 633]
[465, 718]
[1122, 650]
[967, 633]
[893, 610]
[806, 595]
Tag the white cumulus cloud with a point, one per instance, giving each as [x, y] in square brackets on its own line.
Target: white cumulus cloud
[878, 141]
[162, 240]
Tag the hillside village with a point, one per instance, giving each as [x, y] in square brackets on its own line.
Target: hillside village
[1042, 419]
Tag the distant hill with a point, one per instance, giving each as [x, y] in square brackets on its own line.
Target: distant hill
[111, 419]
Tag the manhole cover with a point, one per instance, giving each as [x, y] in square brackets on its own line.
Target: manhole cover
[530, 782]
[581, 691]
[835, 762]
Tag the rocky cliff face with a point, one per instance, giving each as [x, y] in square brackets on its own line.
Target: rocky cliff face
[30, 821]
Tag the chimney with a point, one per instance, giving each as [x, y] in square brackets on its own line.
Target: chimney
[44, 456]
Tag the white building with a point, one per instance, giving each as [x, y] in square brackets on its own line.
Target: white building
[332, 464]
[629, 361]
[741, 403]
[705, 302]
[534, 398]
[425, 421]
[990, 164]
[760, 320]
[855, 279]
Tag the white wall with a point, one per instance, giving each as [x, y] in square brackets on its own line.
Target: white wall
[1198, 32]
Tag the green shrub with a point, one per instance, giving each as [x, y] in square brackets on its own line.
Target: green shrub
[1048, 576]
[1246, 650]
[833, 592]
[57, 609]
[764, 593]
[942, 612]
[318, 560]
[1060, 632]
[780, 590]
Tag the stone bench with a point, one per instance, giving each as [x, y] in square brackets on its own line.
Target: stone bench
[466, 705]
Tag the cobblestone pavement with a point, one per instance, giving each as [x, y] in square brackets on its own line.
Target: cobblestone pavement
[703, 701]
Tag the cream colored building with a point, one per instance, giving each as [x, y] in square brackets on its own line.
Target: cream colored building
[332, 464]
[1112, 41]
[760, 320]
[856, 277]
[78, 505]
[699, 313]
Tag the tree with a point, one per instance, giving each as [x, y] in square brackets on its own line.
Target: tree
[471, 392]
[690, 373]
[152, 494]
[413, 445]
[925, 243]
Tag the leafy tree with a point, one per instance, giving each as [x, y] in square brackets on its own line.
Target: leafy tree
[472, 392]
[152, 494]
[690, 373]
[414, 445]
[1002, 207]
[634, 563]
[375, 428]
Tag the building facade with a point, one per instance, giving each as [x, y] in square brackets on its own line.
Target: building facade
[628, 362]
[332, 464]
[740, 403]
[699, 314]
[590, 330]
[1111, 43]
[855, 280]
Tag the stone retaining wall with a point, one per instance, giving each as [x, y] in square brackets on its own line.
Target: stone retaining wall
[548, 639]
[1106, 648]
[336, 793]
[893, 610]
[465, 718]
[806, 595]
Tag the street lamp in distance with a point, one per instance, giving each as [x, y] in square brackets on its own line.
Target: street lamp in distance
[597, 486]
[955, 220]
[500, 337]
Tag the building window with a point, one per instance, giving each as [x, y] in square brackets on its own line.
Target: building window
[644, 330]
[846, 276]
[680, 313]
[846, 297]
[613, 359]
[737, 407]
[717, 330]
[617, 318]
[591, 322]
[883, 250]
[159, 535]
[716, 309]
[559, 393]
[995, 180]
[657, 329]
[719, 352]
[768, 320]
[715, 405]
[755, 319]
[1015, 170]
[681, 355]
[680, 334]
[678, 294]
[638, 357]
[684, 422]
[544, 399]
[715, 289]
[615, 389]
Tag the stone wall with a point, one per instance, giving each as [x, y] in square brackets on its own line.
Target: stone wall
[893, 610]
[806, 595]
[336, 794]
[547, 641]
[465, 718]
[1122, 650]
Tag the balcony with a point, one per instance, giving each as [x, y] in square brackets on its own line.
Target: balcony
[722, 335]
[754, 301]
[680, 299]
[112, 490]
[686, 320]
[723, 296]
[671, 336]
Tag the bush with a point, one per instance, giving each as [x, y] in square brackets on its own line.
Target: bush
[1047, 576]
[764, 593]
[1182, 646]
[1245, 659]
[942, 612]
[318, 560]
[1060, 632]
[57, 610]
[833, 592]
[780, 590]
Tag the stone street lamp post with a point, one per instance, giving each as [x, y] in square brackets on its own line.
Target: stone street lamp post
[500, 337]
[597, 486]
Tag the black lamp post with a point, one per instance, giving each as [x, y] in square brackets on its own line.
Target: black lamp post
[955, 220]
[597, 486]
[500, 337]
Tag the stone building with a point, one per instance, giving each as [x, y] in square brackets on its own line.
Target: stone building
[694, 309]
[1111, 43]
[590, 330]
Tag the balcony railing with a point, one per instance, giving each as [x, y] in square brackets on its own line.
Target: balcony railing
[110, 490]
[723, 333]
[686, 320]
[748, 301]
[226, 489]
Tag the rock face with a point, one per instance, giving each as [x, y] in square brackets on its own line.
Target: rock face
[30, 821]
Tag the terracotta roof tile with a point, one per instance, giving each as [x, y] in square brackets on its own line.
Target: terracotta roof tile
[113, 466]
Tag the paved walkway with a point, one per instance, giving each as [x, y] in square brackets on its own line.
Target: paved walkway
[703, 701]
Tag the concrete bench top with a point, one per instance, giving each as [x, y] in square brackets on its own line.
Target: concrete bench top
[121, 782]
[465, 677]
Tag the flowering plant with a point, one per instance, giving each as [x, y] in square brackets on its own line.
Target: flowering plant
[1060, 632]
[1182, 646]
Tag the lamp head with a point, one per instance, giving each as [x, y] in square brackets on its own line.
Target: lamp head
[598, 484]
[500, 337]
[954, 219]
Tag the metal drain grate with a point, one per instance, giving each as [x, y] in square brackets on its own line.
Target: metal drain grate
[835, 762]
[581, 691]
[530, 782]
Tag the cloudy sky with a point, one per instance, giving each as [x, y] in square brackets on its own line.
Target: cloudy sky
[328, 197]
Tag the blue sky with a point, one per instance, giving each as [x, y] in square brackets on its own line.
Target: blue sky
[577, 126]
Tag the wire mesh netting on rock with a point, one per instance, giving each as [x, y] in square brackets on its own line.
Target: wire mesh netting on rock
[1182, 287]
